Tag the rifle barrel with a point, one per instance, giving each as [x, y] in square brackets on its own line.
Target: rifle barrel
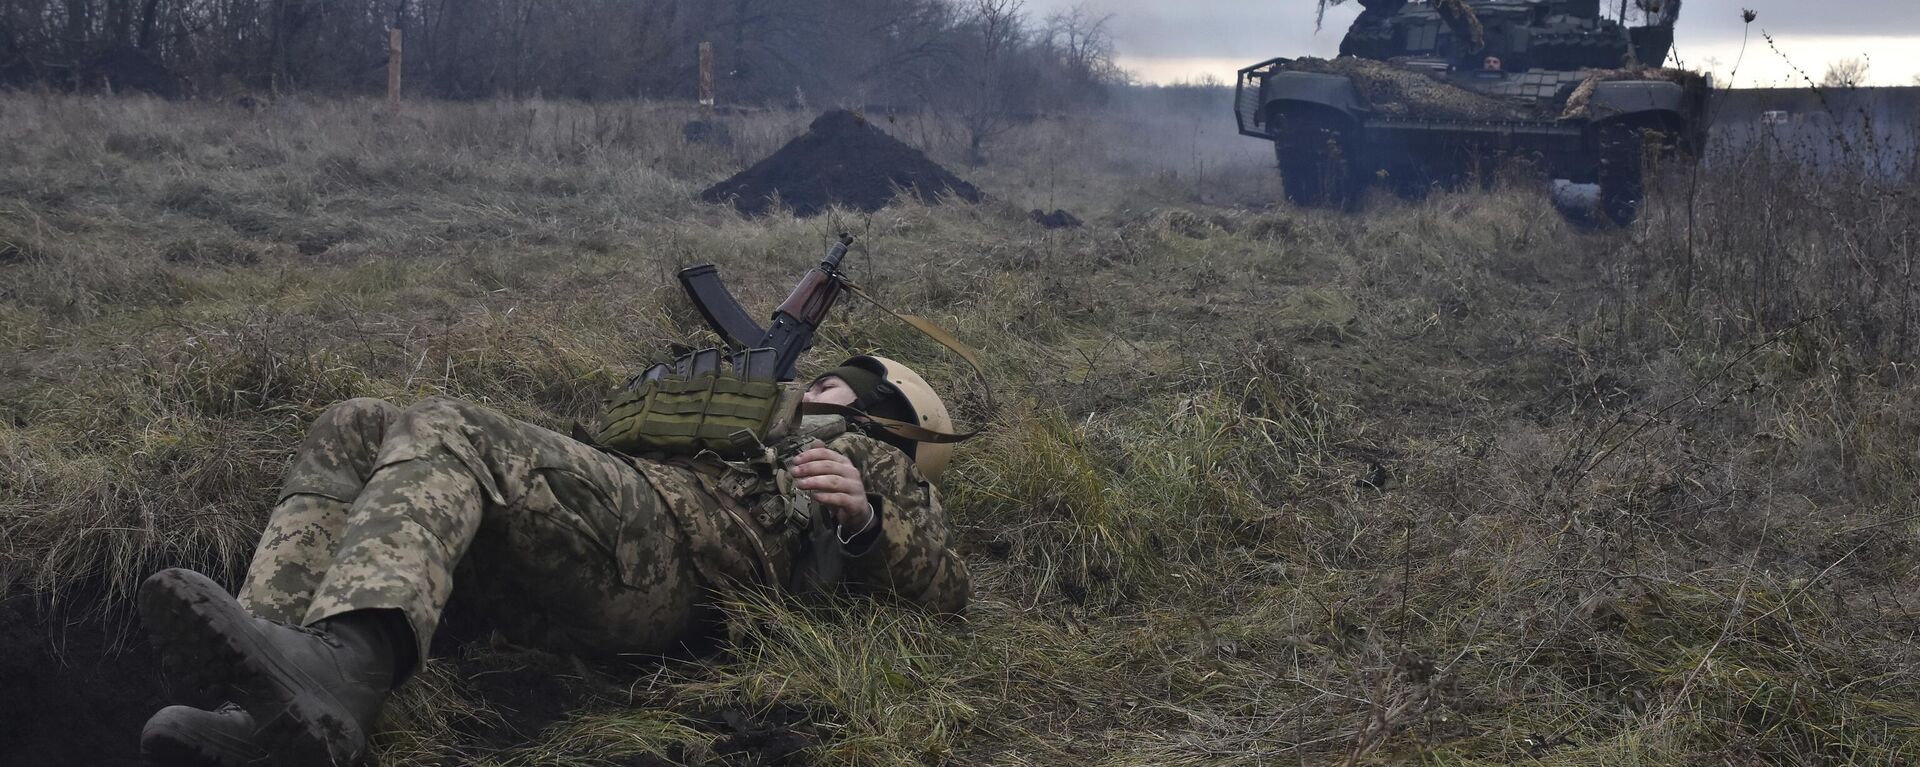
[832, 262]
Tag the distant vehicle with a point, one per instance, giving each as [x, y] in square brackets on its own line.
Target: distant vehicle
[1429, 92]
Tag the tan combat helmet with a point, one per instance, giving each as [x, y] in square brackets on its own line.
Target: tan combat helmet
[928, 411]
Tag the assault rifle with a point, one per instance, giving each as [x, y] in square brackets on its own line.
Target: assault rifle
[730, 400]
[769, 353]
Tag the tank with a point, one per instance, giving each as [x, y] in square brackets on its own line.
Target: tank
[1433, 93]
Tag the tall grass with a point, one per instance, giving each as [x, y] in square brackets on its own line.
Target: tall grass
[1454, 482]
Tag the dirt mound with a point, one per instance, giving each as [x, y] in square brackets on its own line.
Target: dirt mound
[842, 159]
[1058, 219]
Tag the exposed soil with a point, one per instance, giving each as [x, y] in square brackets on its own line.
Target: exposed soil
[71, 694]
[843, 160]
[1058, 219]
[67, 694]
[776, 736]
[76, 686]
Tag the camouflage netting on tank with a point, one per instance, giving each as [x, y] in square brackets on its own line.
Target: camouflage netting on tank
[1397, 91]
[1582, 97]
[1392, 90]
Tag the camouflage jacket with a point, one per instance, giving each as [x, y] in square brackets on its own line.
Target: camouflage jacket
[743, 530]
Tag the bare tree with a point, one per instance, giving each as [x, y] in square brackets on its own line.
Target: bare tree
[1084, 45]
[1845, 73]
[978, 59]
[986, 111]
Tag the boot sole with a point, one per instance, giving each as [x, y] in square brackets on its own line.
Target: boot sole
[175, 753]
[179, 746]
[203, 634]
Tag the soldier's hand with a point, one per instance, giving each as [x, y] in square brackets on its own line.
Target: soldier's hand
[833, 481]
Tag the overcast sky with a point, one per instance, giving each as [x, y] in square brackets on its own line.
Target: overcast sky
[1169, 40]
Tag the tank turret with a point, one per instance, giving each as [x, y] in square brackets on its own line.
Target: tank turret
[1524, 35]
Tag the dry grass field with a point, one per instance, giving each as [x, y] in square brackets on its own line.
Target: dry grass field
[1454, 482]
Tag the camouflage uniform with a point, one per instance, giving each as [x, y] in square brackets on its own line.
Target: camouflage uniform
[567, 546]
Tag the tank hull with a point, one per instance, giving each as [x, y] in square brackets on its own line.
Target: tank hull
[1415, 127]
[1435, 92]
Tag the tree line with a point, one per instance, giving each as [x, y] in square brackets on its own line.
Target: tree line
[965, 56]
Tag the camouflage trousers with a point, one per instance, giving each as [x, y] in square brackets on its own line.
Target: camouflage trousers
[563, 546]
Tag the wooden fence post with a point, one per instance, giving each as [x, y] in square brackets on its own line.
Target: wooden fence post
[706, 75]
[393, 67]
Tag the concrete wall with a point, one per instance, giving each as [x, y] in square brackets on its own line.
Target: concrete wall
[1837, 129]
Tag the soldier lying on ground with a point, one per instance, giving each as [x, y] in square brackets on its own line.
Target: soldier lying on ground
[566, 546]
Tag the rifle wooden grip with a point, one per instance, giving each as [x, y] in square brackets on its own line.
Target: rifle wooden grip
[812, 298]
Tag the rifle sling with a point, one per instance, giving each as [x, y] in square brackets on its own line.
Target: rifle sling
[900, 429]
[939, 335]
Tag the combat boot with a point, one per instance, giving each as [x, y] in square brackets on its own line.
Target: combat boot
[184, 736]
[314, 691]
